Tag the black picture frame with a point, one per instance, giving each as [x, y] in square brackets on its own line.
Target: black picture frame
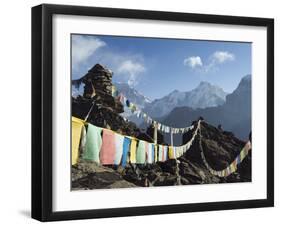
[42, 111]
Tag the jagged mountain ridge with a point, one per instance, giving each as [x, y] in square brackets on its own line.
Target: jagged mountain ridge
[234, 115]
[204, 95]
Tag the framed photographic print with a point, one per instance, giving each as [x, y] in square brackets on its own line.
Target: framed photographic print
[145, 112]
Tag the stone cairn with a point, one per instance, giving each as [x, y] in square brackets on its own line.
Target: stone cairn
[98, 105]
[98, 85]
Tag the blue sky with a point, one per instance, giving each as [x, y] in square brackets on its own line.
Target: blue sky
[156, 67]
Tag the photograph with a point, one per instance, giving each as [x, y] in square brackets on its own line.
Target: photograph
[149, 111]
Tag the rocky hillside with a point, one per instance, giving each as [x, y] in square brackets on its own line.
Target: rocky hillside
[219, 147]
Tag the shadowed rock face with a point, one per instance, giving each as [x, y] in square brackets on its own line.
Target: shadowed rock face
[220, 148]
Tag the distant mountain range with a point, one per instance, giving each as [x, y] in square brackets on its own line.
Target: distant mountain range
[232, 111]
[204, 95]
[234, 115]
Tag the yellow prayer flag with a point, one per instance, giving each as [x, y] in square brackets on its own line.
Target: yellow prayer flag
[133, 148]
[232, 168]
[171, 153]
[77, 125]
[242, 154]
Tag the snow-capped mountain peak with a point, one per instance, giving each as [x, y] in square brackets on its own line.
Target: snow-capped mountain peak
[204, 95]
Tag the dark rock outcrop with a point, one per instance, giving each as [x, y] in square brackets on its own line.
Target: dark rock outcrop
[98, 105]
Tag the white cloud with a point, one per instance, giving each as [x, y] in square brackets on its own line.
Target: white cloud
[193, 61]
[132, 70]
[222, 56]
[215, 59]
[83, 47]
[127, 67]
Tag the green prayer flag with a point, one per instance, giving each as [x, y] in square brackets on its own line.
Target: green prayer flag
[141, 152]
[93, 144]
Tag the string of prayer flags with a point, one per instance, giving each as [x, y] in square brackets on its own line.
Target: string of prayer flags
[232, 167]
[107, 147]
[147, 119]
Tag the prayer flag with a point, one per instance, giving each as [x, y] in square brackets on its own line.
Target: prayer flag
[77, 125]
[93, 144]
[141, 152]
[126, 147]
[133, 149]
[107, 153]
[171, 153]
[118, 148]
